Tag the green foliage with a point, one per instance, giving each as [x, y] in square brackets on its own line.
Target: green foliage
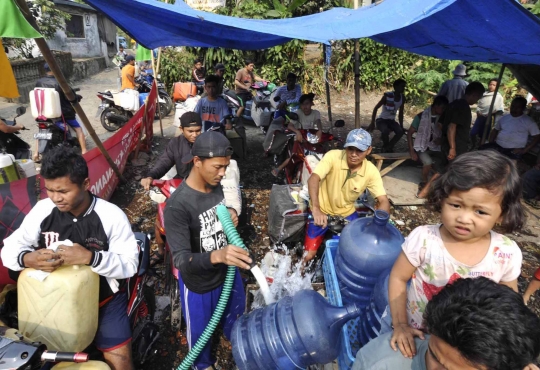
[48, 18]
[175, 66]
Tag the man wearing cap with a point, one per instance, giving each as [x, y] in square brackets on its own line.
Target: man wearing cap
[68, 112]
[337, 182]
[290, 93]
[454, 89]
[199, 245]
[177, 149]
[128, 74]
[219, 70]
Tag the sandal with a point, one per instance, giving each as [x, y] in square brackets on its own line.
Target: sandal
[275, 172]
[156, 258]
[533, 203]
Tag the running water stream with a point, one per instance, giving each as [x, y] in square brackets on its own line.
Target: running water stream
[263, 285]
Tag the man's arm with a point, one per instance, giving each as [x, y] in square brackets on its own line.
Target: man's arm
[164, 163]
[452, 140]
[131, 77]
[493, 135]
[9, 129]
[122, 259]
[374, 114]
[401, 110]
[319, 218]
[410, 143]
[383, 203]
[532, 144]
[237, 80]
[298, 94]
[444, 89]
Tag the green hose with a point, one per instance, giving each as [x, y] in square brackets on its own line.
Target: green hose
[234, 239]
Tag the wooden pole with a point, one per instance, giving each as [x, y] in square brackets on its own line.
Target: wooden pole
[70, 95]
[327, 85]
[490, 113]
[356, 79]
[157, 95]
[143, 127]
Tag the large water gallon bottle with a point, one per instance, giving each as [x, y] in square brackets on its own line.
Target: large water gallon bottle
[60, 311]
[293, 333]
[8, 169]
[367, 247]
[369, 323]
[90, 365]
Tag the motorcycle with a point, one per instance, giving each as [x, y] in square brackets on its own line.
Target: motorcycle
[165, 101]
[13, 144]
[54, 132]
[112, 116]
[299, 165]
[262, 89]
[141, 311]
[162, 90]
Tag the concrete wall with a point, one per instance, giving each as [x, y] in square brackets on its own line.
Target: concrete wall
[28, 71]
[87, 47]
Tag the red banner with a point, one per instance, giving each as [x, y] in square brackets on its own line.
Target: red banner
[103, 180]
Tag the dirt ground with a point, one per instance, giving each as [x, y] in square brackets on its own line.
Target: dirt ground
[257, 181]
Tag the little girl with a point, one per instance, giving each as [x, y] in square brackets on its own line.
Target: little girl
[479, 190]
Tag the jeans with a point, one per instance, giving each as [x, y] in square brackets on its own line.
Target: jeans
[531, 183]
[504, 151]
[386, 126]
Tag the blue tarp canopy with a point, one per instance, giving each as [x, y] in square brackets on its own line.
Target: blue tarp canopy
[475, 30]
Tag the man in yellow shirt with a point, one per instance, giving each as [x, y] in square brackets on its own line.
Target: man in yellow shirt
[338, 181]
[128, 73]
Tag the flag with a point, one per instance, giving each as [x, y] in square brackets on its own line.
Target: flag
[13, 24]
[143, 54]
[8, 87]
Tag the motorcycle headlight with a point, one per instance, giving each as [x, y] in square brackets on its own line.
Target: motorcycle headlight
[312, 138]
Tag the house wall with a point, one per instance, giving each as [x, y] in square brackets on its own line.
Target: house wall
[87, 47]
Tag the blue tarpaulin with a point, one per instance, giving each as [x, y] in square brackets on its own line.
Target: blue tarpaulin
[474, 30]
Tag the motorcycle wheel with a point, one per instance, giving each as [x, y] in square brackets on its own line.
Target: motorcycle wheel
[106, 122]
[144, 330]
[162, 110]
[176, 307]
[169, 103]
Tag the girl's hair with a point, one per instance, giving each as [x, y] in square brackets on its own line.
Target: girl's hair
[486, 169]
[305, 97]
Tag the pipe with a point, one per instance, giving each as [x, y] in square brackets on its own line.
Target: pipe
[490, 113]
[234, 239]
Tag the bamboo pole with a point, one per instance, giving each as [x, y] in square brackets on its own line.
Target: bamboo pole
[356, 79]
[70, 95]
[327, 86]
[143, 126]
[157, 94]
[490, 113]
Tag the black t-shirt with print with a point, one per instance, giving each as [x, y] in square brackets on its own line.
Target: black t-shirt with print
[458, 112]
[193, 231]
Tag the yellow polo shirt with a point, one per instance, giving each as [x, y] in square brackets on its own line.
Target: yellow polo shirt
[338, 191]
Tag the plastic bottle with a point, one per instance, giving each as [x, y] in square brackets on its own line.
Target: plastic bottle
[367, 247]
[45, 102]
[369, 323]
[60, 311]
[8, 169]
[293, 333]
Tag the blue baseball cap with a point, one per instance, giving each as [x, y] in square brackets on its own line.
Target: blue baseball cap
[359, 138]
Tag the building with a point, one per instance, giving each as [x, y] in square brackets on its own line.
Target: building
[88, 34]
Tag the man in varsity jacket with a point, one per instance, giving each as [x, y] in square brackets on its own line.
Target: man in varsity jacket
[101, 237]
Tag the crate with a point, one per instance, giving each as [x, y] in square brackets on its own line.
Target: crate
[349, 333]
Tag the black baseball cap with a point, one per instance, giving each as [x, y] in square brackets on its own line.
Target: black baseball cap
[209, 144]
[219, 67]
[46, 67]
[130, 58]
[190, 119]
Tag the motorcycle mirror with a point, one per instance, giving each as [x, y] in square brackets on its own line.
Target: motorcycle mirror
[339, 123]
[77, 89]
[20, 111]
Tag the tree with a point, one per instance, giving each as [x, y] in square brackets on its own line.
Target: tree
[48, 18]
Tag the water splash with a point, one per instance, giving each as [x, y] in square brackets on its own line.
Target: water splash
[263, 285]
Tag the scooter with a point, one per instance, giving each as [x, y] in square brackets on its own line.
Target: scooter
[262, 89]
[12, 143]
[162, 90]
[165, 101]
[112, 116]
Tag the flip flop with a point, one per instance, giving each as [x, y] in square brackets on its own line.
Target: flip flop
[275, 172]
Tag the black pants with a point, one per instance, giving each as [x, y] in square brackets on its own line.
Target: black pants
[386, 126]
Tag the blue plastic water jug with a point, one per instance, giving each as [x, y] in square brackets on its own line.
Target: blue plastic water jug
[369, 323]
[367, 247]
[293, 333]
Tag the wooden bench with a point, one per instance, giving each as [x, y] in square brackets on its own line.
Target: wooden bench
[398, 159]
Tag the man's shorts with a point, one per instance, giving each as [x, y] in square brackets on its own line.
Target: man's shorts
[73, 123]
[114, 330]
[434, 159]
[315, 234]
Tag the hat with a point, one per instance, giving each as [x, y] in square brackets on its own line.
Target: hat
[190, 119]
[460, 70]
[46, 67]
[219, 67]
[209, 144]
[129, 58]
[359, 138]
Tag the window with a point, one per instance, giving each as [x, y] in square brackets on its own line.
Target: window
[75, 27]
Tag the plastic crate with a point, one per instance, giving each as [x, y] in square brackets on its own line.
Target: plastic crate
[349, 333]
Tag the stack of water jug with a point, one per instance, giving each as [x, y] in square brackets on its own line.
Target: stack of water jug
[367, 250]
[303, 330]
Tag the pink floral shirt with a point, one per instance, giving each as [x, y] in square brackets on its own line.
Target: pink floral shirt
[435, 267]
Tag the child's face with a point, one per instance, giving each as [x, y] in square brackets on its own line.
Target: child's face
[198, 65]
[469, 215]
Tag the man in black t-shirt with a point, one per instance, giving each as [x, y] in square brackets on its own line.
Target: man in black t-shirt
[199, 246]
[456, 128]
